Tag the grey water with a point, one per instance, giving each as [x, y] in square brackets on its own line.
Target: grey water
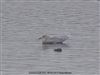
[24, 22]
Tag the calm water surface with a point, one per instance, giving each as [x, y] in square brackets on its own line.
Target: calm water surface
[25, 22]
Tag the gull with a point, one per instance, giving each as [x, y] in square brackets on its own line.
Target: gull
[46, 39]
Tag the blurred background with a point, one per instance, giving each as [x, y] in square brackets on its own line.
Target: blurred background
[23, 22]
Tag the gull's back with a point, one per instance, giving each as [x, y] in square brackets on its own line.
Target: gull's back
[56, 39]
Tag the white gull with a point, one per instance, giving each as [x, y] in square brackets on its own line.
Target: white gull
[46, 39]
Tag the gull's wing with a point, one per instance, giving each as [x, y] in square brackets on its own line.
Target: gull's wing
[57, 39]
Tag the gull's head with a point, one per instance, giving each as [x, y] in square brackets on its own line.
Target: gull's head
[43, 37]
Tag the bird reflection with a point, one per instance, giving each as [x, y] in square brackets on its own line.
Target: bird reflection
[54, 46]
